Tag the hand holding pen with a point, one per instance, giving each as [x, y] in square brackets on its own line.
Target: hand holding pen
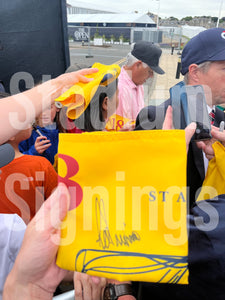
[41, 143]
[218, 134]
[36, 129]
[221, 126]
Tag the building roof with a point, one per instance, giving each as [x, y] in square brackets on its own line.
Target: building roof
[191, 31]
[110, 18]
[87, 5]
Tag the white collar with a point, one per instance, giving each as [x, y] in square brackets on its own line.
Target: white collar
[210, 108]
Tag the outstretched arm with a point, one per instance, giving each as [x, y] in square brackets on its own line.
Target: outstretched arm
[19, 111]
[35, 274]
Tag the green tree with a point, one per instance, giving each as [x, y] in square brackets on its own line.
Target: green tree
[189, 18]
[214, 19]
[173, 19]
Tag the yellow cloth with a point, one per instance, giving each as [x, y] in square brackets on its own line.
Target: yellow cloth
[214, 183]
[129, 190]
[116, 122]
[78, 97]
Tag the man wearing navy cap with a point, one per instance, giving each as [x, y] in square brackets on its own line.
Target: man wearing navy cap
[141, 64]
[203, 63]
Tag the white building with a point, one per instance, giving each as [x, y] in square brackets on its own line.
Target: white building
[131, 27]
[77, 7]
[191, 31]
[112, 20]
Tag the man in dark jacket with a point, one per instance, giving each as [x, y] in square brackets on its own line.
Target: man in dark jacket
[203, 63]
[206, 258]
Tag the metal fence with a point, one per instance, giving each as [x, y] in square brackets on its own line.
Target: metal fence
[114, 34]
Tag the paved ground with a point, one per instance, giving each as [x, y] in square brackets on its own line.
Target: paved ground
[159, 90]
[163, 83]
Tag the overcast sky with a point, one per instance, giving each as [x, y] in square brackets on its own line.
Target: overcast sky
[167, 8]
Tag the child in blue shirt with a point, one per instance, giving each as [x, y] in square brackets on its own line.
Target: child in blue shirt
[45, 135]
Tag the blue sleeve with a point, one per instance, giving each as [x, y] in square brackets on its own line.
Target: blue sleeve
[27, 146]
[29, 151]
[207, 249]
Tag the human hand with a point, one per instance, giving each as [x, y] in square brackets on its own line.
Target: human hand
[168, 121]
[88, 287]
[35, 274]
[42, 144]
[35, 101]
[218, 135]
[69, 79]
[168, 124]
[206, 146]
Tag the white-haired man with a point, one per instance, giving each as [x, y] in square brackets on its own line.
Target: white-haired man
[141, 64]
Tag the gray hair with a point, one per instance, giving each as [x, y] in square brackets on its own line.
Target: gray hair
[131, 60]
[204, 67]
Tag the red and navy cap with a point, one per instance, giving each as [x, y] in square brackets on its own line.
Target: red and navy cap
[208, 45]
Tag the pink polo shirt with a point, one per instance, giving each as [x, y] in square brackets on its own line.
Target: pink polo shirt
[131, 96]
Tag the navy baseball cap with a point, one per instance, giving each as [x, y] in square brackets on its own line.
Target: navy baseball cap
[149, 53]
[208, 45]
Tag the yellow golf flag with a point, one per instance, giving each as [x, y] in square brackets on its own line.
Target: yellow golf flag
[78, 97]
[128, 217]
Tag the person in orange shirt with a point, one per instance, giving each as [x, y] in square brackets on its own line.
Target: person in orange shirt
[26, 181]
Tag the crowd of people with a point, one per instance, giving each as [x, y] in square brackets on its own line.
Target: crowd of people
[30, 198]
